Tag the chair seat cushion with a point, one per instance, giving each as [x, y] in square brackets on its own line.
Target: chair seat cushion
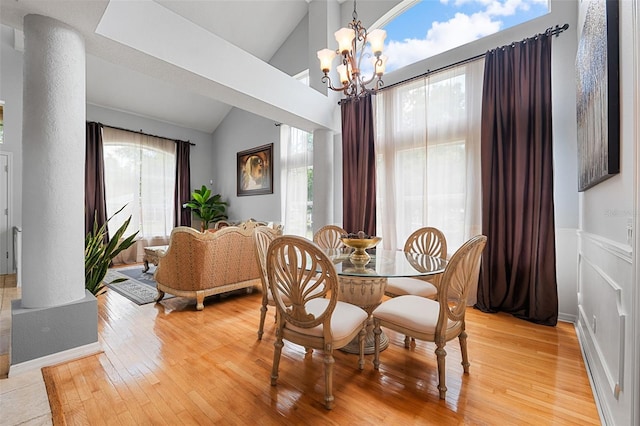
[345, 318]
[414, 313]
[403, 285]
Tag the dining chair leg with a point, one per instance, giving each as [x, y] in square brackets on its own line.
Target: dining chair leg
[408, 341]
[463, 349]
[276, 359]
[328, 379]
[263, 315]
[361, 337]
[441, 354]
[376, 344]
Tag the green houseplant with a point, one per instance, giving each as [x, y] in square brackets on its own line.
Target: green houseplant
[206, 207]
[98, 255]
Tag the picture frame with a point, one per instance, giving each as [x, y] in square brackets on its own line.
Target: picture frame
[255, 171]
[597, 95]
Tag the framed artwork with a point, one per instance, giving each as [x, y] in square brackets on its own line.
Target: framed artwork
[255, 171]
[598, 98]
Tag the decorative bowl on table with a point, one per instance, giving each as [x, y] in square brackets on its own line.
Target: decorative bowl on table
[360, 242]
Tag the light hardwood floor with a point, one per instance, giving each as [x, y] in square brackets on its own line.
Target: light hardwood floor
[170, 364]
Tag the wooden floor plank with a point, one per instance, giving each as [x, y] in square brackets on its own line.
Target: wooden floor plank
[171, 364]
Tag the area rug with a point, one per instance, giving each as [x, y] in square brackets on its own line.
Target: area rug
[139, 287]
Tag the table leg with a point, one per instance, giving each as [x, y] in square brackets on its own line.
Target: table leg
[367, 293]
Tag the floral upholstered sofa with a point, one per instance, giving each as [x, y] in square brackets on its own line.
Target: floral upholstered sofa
[200, 264]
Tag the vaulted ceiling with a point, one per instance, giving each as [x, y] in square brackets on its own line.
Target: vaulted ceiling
[123, 75]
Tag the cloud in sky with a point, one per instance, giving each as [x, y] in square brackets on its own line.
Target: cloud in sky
[462, 28]
[441, 37]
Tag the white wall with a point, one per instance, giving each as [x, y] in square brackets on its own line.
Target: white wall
[607, 315]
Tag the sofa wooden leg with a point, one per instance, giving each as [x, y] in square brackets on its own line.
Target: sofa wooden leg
[200, 300]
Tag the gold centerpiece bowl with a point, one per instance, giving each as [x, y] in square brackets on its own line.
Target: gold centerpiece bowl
[359, 255]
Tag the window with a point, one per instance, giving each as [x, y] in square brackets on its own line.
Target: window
[428, 164]
[296, 162]
[140, 173]
[431, 27]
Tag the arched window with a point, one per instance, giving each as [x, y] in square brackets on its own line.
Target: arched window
[430, 27]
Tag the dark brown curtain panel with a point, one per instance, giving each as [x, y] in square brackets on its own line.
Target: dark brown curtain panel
[181, 215]
[519, 263]
[95, 202]
[358, 166]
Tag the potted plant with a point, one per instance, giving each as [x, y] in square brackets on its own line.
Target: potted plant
[206, 207]
[99, 255]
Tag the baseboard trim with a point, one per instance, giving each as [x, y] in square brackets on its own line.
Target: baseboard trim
[603, 412]
[567, 318]
[53, 359]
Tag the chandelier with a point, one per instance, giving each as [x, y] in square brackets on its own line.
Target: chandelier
[349, 39]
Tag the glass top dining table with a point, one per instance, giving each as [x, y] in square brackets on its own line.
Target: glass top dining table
[386, 264]
[363, 284]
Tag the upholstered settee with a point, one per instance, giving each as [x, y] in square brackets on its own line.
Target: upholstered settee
[200, 264]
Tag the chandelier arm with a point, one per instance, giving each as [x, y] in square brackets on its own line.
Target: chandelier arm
[327, 80]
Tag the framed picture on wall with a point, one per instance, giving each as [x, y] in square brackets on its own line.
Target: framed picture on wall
[598, 99]
[255, 171]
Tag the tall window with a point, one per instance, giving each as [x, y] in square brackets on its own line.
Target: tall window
[296, 163]
[428, 156]
[140, 173]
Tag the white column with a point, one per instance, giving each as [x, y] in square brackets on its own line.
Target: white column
[323, 186]
[324, 20]
[53, 164]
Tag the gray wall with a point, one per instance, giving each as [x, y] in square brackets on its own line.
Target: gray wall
[11, 94]
[202, 157]
[242, 130]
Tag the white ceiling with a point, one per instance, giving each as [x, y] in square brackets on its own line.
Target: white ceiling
[123, 78]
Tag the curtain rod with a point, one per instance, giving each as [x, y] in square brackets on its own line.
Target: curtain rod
[146, 134]
[551, 31]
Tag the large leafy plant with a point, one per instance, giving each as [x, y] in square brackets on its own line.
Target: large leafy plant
[206, 207]
[99, 255]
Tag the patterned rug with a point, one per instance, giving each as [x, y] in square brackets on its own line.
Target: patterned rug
[139, 287]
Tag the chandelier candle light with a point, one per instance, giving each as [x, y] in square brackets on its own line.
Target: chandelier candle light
[353, 84]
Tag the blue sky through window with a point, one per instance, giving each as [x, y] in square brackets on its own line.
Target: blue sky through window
[434, 26]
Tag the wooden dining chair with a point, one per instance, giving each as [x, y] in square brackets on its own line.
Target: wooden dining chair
[303, 282]
[430, 241]
[262, 236]
[435, 321]
[328, 237]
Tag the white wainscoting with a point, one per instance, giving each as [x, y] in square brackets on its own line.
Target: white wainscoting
[604, 300]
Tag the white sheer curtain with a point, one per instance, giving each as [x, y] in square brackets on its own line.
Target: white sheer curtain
[139, 173]
[428, 156]
[296, 162]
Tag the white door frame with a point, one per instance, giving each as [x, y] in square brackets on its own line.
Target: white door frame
[10, 262]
